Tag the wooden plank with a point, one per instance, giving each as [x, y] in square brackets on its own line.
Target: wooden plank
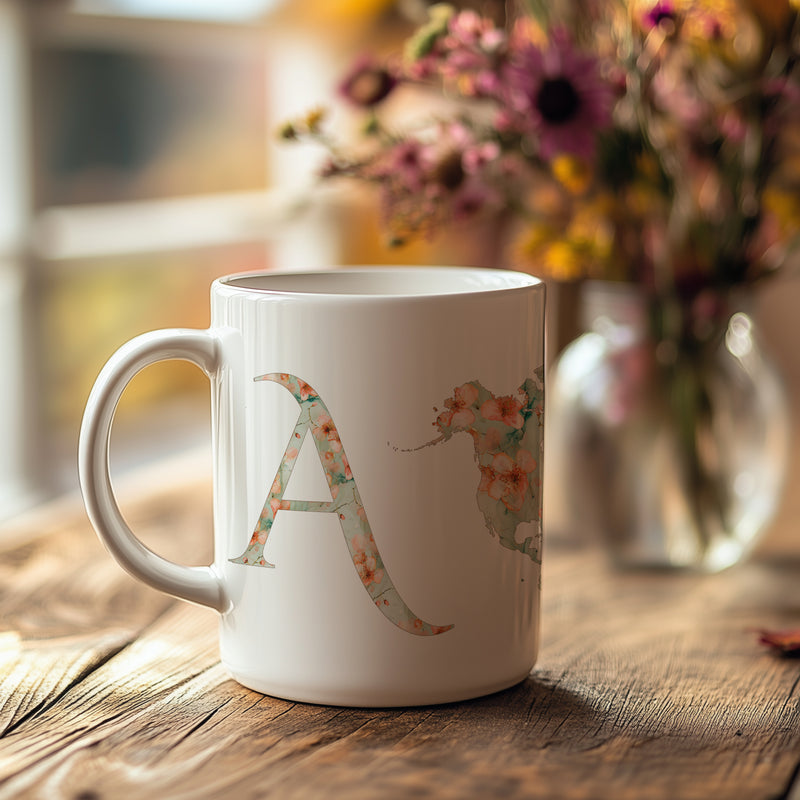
[649, 684]
[35, 674]
[65, 606]
[62, 616]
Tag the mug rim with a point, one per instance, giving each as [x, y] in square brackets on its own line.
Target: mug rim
[486, 281]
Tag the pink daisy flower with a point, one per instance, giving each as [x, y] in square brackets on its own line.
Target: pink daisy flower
[557, 97]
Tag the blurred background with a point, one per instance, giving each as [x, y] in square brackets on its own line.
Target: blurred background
[138, 161]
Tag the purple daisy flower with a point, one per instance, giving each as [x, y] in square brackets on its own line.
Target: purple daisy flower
[367, 83]
[556, 97]
[661, 13]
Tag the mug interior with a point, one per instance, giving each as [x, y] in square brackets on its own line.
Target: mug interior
[382, 281]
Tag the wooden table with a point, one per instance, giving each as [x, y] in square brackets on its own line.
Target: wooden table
[649, 685]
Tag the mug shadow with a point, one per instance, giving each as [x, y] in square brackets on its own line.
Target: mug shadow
[510, 725]
[536, 697]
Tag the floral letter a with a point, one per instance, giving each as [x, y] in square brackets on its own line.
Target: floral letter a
[345, 503]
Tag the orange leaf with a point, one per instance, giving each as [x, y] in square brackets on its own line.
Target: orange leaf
[785, 641]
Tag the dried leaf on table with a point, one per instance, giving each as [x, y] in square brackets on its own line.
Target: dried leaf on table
[786, 642]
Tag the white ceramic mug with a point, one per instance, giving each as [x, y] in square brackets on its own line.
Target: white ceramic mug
[377, 438]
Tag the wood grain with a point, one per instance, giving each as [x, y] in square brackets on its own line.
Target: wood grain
[648, 685]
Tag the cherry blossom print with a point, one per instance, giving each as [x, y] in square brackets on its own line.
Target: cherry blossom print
[503, 409]
[324, 429]
[507, 433]
[365, 561]
[459, 414]
[490, 441]
[508, 478]
[345, 503]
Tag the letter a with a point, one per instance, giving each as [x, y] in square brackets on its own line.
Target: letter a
[345, 503]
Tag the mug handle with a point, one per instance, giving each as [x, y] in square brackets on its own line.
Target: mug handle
[201, 585]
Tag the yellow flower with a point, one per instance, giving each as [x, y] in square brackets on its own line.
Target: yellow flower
[548, 200]
[573, 173]
[314, 119]
[536, 237]
[566, 253]
[561, 261]
[784, 205]
[591, 232]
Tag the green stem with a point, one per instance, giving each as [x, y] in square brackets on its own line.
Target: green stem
[692, 411]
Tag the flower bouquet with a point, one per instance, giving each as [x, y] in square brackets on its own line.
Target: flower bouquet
[654, 143]
[657, 142]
